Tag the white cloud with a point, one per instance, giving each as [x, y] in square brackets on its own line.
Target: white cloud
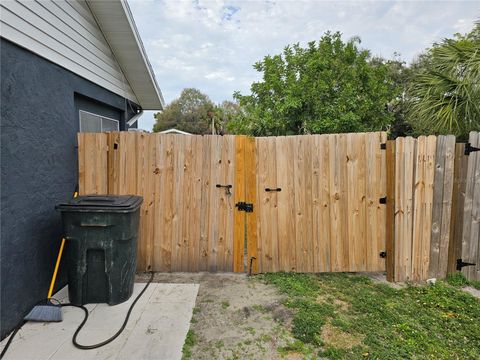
[212, 45]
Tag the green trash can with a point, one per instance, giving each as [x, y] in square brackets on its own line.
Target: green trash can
[101, 247]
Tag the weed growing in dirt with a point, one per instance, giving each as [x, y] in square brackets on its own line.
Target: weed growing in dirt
[225, 304]
[295, 347]
[190, 341]
[459, 280]
[367, 319]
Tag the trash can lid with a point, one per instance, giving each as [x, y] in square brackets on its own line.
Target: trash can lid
[102, 203]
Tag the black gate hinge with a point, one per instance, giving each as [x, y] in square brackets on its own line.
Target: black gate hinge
[383, 254]
[382, 200]
[383, 146]
[461, 264]
[243, 206]
[469, 149]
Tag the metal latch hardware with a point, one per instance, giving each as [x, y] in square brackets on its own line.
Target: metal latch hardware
[226, 187]
[469, 149]
[273, 189]
[243, 206]
[461, 264]
[383, 200]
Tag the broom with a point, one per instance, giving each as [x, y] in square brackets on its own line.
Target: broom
[49, 312]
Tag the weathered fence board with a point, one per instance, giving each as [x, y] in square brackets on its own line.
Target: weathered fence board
[442, 206]
[458, 201]
[471, 216]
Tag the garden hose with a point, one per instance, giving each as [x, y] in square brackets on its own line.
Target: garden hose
[75, 335]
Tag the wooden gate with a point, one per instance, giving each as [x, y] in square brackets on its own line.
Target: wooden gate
[471, 215]
[315, 199]
[187, 216]
[318, 206]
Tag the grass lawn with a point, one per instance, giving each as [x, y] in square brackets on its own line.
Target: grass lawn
[343, 316]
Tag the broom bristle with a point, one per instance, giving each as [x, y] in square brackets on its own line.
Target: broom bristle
[45, 313]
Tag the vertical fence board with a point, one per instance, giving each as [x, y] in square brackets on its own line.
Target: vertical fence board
[187, 210]
[427, 224]
[263, 205]
[308, 211]
[251, 197]
[447, 205]
[318, 258]
[399, 208]
[286, 203]
[300, 224]
[381, 167]
[418, 209]
[198, 163]
[239, 216]
[390, 211]
[458, 201]
[271, 182]
[205, 204]
[213, 228]
[325, 203]
[442, 206]
[471, 220]
[437, 207]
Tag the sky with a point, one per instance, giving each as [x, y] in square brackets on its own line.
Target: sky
[211, 45]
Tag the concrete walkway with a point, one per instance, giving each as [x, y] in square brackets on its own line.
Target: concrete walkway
[157, 328]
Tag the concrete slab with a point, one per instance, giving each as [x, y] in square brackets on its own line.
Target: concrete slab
[157, 328]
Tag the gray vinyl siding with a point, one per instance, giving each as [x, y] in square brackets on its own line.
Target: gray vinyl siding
[66, 33]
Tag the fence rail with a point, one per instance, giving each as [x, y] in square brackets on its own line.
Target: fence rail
[316, 201]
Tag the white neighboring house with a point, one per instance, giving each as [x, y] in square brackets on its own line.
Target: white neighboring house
[175, 131]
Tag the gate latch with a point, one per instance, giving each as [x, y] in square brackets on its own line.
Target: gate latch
[461, 264]
[243, 206]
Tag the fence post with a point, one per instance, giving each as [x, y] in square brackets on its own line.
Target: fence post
[390, 216]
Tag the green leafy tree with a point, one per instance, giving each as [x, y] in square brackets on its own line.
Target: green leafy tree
[444, 93]
[191, 112]
[328, 86]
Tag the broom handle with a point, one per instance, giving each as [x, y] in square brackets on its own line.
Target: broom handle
[57, 264]
[54, 277]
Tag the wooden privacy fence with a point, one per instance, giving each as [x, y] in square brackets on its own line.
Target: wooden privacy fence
[321, 203]
[433, 207]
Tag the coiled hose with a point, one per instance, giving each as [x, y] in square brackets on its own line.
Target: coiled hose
[75, 335]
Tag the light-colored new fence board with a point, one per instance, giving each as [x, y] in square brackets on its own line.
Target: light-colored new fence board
[251, 197]
[471, 216]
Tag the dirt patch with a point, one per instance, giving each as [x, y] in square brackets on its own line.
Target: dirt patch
[235, 317]
[471, 290]
[381, 278]
[339, 339]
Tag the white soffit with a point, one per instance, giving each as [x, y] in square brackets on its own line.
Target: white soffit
[116, 22]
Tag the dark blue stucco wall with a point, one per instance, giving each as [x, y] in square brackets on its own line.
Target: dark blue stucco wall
[39, 123]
